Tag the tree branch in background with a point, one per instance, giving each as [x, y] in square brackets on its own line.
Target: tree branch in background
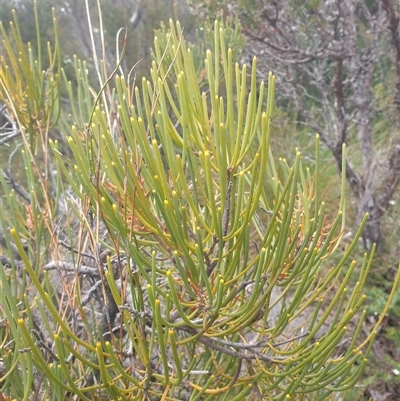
[328, 58]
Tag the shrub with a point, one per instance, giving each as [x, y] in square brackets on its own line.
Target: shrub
[176, 259]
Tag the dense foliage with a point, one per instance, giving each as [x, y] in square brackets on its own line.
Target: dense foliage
[162, 251]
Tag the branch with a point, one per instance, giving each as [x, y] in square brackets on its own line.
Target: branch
[69, 267]
[17, 188]
[392, 181]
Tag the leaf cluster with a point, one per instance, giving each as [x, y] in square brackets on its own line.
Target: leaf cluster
[194, 265]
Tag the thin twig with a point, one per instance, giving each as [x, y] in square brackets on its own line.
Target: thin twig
[227, 209]
[289, 340]
[72, 249]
